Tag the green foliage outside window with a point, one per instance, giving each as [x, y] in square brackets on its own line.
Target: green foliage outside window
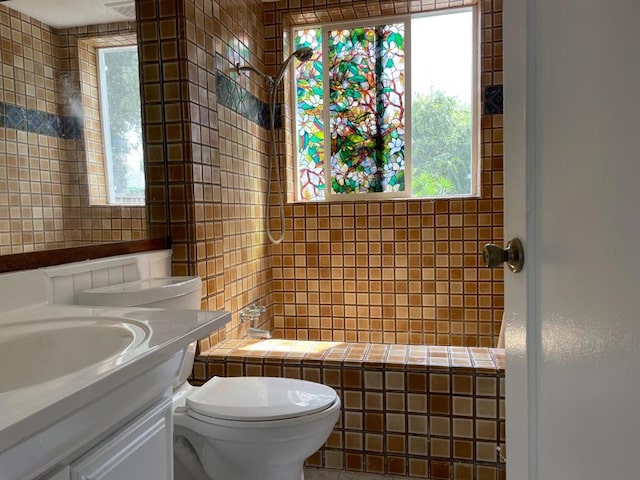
[122, 96]
[441, 148]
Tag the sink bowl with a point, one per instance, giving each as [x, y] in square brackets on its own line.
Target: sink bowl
[33, 352]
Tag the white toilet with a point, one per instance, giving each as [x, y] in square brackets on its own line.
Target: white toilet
[232, 428]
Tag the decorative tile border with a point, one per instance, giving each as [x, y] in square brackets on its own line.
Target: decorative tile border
[42, 123]
[233, 96]
[493, 100]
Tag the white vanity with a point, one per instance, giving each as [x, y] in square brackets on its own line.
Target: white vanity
[85, 392]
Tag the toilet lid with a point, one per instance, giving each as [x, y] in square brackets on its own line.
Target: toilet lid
[259, 398]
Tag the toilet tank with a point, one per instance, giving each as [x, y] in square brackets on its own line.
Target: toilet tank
[174, 293]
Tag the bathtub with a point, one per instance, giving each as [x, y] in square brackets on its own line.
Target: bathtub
[408, 410]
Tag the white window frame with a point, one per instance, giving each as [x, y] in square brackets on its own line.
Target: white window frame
[475, 105]
[105, 122]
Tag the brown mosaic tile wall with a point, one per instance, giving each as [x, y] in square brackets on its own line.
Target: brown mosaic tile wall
[406, 271]
[418, 411]
[85, 223]
[31, 214]
[206, 164]
[43, 178]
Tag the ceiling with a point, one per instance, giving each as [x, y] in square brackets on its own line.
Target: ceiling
[74, 13]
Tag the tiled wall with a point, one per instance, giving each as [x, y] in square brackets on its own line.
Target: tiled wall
[85, 223]
[206, 163]
[43, 174]
[418, 411]
[394, 272]
[404, 271]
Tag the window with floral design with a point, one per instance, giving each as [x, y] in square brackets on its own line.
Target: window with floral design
[386, 108]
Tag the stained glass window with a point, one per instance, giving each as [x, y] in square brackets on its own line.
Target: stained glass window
[309, 117]
[366, 75]
[353, 114]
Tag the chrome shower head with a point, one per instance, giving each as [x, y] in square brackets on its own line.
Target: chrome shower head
[303, 54]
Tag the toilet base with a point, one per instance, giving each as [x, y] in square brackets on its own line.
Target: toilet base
[249, 450]
[218, 459]
[288, 472]
[186, 464]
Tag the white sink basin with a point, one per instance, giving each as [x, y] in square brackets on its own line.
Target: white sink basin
[33, 352]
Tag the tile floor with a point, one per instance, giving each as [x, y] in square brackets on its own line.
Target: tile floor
[329, 474]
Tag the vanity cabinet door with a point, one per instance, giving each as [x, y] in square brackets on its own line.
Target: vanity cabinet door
[142, 450]
[63, 474]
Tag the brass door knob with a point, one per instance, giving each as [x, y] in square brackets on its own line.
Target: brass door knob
[513, 255]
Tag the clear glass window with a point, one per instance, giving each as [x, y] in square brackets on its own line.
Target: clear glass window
[443, 105]
[121, 124]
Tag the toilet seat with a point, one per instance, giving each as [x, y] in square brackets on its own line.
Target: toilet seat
[268, 431]
[258, 399]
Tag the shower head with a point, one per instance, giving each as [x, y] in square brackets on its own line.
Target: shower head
[303, 54]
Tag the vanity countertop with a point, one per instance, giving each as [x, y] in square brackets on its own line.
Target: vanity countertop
[28, 410]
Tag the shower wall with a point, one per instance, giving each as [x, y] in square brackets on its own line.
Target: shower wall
[396, 271]
[206, 146]
[402, 271]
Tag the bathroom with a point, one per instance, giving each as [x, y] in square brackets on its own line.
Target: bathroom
[417, 280]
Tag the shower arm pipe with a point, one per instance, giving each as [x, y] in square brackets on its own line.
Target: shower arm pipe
[303, 54]
[248, 68]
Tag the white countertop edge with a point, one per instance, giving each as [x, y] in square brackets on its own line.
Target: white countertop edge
[82, 387]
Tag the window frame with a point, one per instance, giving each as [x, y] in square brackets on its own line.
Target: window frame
[105, 123]
[475, 106]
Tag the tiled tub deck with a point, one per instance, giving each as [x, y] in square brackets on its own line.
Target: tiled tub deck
[408, 410]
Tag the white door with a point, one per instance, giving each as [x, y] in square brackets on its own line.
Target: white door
[572, 163]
